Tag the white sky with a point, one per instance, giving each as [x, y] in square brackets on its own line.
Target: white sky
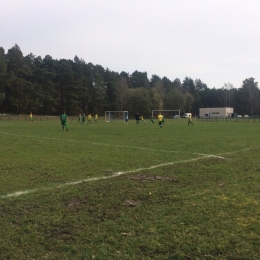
[217, 41]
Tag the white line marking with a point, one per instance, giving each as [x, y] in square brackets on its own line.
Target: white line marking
[140, 148]
[109, 145]
[211, 155]
[102, 144]
[243, 150]
[20, 193]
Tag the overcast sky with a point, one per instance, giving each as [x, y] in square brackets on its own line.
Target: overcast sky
[217, 41]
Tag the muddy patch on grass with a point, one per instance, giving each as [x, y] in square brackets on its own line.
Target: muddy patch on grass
[132, 203]
[108, 172]
[76, 203]
[62, 234]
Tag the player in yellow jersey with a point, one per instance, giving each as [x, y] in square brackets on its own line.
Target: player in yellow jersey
[89, 119]
[189, 120]
[160, 120]
[142, 119]
[96, 117]
[31, 118]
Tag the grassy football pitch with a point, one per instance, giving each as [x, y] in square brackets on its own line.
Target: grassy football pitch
[128, 191]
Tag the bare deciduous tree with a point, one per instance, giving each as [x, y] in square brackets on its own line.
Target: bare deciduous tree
[121, 91]
[227, 94]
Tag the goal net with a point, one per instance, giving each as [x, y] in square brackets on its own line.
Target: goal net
[166, 113]
[116, 116]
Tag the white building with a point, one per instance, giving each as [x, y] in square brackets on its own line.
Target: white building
[216, 112]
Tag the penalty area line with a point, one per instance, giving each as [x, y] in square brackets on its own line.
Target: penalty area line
[242, 150]
[116, 174]
[212, 155]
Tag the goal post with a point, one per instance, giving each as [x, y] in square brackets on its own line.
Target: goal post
[116, 116]
[166, 113]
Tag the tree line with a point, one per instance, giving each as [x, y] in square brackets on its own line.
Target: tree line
[46, 86]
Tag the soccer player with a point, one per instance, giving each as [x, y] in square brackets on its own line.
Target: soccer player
[142, 119]
[83, 119]
[79, 120]
[152, 119]
[189, 120]
[31, 118]
[160, 120]
[96, 117]
[63, 120]
[89, 119]
[137, 117]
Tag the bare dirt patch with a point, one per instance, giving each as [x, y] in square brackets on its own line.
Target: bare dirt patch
[132, 203]
[77, 203]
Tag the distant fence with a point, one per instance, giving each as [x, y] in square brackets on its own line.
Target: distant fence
[7, 117]
[37, 118]
[229, 119]
[27, 118]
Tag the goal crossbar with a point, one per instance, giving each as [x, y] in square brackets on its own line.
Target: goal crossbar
[116, 116]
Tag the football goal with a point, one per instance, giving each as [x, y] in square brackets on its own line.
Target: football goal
[116, 116]
[166, 113]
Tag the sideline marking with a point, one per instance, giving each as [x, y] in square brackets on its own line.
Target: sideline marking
[116, 174]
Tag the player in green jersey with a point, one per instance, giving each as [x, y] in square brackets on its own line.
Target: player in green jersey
[152, 119]
[63, 120]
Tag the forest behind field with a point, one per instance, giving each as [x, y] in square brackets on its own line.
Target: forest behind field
[48, 86]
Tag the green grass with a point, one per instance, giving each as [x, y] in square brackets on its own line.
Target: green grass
[93, 193]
